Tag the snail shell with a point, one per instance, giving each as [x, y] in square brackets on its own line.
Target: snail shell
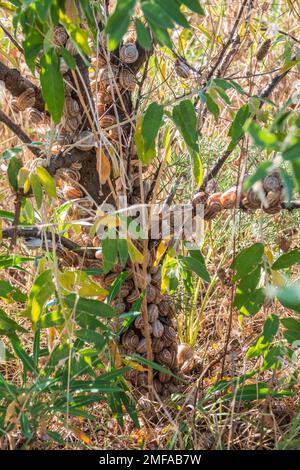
[131, 375]
[68, 85]
[169, 333]
[130, 340]
[26, 99]
[14, 105]
[101, 108]
[99, 254]
[107, 121]
[172, 388]
[182, 69]
[139, 322]
[35, 116]
[228, 199]
[71, 124]
[157, 329]
[60, 36]
[129, 53]
[152, 312]
[70, 192]
[71, 107]
[107, 75]
[156, 278]
[164, 378]
[199, 198]
[86, 141]
[71, 47]
[166, 309]
[166, 357]
[127, 80]
[71, 175]
[272, 182]
[250, 200]
[142, 379]
[119, 307]
[150, 329]
[133, 296]
[213, 206]
[157, 385]
[157, 345]
[78, 166]
[273, 200]
[109, 278]
[184, 353]
[63, 67]
[141, 348]
[151, 293]
[64, 137]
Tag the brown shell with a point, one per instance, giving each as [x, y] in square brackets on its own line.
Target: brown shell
[26, 99]
[85, 141]
[172, 388]
[263, 50]
[164, 378]
[151, 292]
[71, 175]
[157, 345]
[250, 200]
[14, 105]
[184, 353]
[119, 307]
[68, 85]
[199, 198]
[63, 67]
[71, 47]
[213, 206]
[60, 36]
[130, 340]
[101, 107]
[142, 379]
[133, 296]
[71, 107]
[107, 75]
[139, 322]
[158, 386]
[169, 333]
[35, 116]
[182, 69]
[107, 121]
[129, 53]
[156, 278]
[77, 166]
[127, 80]
[141, 348]
[228, 199]
[71, 124]
[153, 312]
[166, 309]
[70, 192]
[272, 182]
[166, 357]
[157, 329]
[64, 137]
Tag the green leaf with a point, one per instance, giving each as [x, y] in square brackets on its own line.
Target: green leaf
[143, 35]
[194, 5]
[13, 261]
[7, 325]
[156, 15]
[36, 189]
[47, 181]
[212, 106]
[12, 172]
[153, 365]
[91, 336]
[262, 137]
[144, 156]
[184, 116]
[195, 266]
[286, 260]
[151, 123]
[270, 328]
[25, 426]
[69, 59]
[32, 45]
[52, 85]
[172, 9]
[289, 296]
[109, 250]
[116, 286]
[293, 152]
[90, 306]
[26, 360]
[247, 259]
[257, 391]
[260, 173]
[118, 22]
[41, 290]
[237, 127]
[292, 332]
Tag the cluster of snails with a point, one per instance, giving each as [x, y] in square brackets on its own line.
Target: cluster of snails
[26, 101]
[267, 195]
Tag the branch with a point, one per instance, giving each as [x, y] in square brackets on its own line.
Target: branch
[265, 94]
[19, 133]
[16, 84]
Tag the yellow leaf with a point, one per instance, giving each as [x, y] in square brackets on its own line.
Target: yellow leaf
[160, 251]
[47, 181]
[80, 435]
[81, 283]
[103, 166]
[71, 10]
[135, 255]
[278, 279]
[134, 365]
[269, 254]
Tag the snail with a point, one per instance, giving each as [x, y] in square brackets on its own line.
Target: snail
[250, 200]
[71, 107]
[141, 348]
[71, 124]
[107, 75]
[127, 80]
[71, 47]
[157, 329]
[153, 312]
[26, 99]
[130, 340]
[213, 206]
[129, 53]
[35, 116]
[228, 199]
[182, 69]
[63, 66]
[263, 50]
[107, 120]
[272, 182]
[85, 141]
[70, 192]
[60, 36]
[158, 345]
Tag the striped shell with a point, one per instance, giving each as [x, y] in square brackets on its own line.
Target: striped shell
[151, 293]
[26, 99]
[157, 329]
[107, 75]
[130, 340]
[71, 107]
[127, 80]
[228, 199]
[70, 192]
[272, 182]
[35, 116]
[129, 53]
[250, 200]
[71, 47]
[157, 345]
[166, 357]
[164, 378]
[152, 312]
[63, 67]
[107, 121]
[213, 206]
[182, 69]
[141, 348]
[60, 36]
[133, 296]
[71, 124]
[85, 141]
